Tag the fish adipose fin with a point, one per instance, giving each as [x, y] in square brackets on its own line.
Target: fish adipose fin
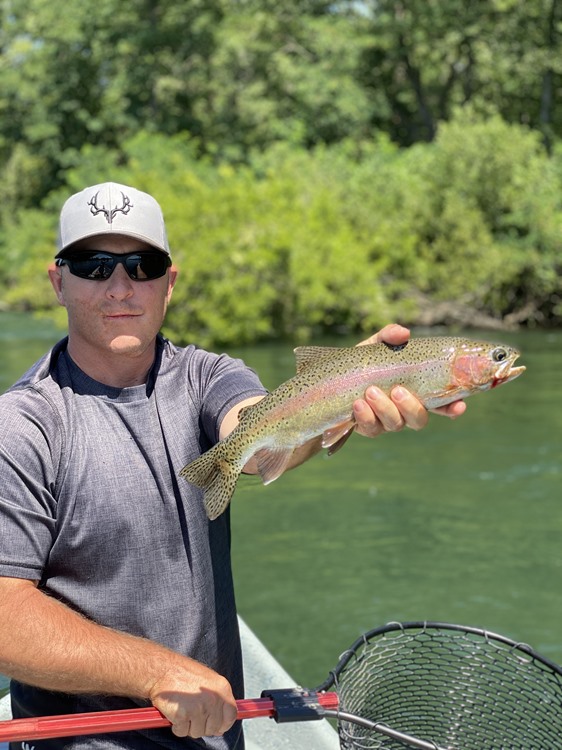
[336, 437]
[217, 476]
[272, 463]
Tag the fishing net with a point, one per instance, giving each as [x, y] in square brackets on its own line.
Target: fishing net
[458, 688]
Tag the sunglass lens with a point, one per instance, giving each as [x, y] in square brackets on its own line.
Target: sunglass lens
[96, 266]
[146, 266]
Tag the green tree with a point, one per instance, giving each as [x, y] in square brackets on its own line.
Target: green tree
[286, 72]
[96, 74]
[345, 237]
[427, 57]
[491, 235]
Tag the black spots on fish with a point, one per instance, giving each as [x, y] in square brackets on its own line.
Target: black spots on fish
[395, 347]
[244, 411]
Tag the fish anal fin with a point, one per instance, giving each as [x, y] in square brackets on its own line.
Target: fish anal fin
[335, 437]
[272, 462]
[308, 355]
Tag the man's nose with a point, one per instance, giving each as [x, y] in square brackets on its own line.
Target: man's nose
[119, 284]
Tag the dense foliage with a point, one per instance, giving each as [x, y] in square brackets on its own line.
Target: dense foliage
[321, 166]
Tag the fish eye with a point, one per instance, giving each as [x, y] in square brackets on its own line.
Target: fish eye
[499, 354]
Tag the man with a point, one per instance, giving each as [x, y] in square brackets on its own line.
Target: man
[115, 589]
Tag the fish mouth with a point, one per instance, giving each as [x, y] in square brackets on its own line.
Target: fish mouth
[507, 372]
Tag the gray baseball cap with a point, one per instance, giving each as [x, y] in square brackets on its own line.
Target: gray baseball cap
[110, 208]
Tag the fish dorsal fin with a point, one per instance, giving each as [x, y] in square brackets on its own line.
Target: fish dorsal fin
[308, 355]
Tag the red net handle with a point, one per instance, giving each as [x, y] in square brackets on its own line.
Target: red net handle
[68, 725]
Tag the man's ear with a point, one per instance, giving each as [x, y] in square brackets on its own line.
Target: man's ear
[55, 276]
[172, 278]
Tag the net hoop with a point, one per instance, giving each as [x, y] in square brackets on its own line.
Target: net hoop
[453, 687]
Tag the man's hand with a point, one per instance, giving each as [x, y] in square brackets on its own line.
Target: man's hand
[197, 700]
[377, 413]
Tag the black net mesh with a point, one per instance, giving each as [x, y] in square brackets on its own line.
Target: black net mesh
[460, 690]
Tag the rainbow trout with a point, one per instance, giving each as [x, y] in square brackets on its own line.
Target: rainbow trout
[318, 400]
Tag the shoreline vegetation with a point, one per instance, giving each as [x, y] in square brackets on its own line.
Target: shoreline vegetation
[322, 167]
[465, 231]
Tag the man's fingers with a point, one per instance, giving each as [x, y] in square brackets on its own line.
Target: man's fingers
[196, 724]
[392, 334]
[366, 422]
[413, 412]
[183, 729]
[452, 411]
[385, 409]
[378, 412]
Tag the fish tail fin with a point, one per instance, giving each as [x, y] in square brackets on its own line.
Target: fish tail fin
[215, 474]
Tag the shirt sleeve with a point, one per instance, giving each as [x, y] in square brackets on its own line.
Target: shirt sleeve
[225, 382]
[29, 448]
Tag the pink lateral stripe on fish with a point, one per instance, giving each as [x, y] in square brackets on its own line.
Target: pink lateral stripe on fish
[318, 400]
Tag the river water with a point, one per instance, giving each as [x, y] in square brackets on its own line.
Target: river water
[461, 522]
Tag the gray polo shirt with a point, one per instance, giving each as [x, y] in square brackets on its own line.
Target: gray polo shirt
[91, 506]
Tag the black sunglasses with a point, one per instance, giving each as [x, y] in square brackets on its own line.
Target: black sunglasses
[99, 265]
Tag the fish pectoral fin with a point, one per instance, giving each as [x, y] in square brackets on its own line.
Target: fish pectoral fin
[272, 462]
[335, 437]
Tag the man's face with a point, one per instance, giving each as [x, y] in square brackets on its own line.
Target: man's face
[115, 316]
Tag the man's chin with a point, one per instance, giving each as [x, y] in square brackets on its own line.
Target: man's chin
[127, 345]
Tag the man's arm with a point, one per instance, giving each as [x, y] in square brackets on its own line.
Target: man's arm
[374, 414]
[46, 644]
